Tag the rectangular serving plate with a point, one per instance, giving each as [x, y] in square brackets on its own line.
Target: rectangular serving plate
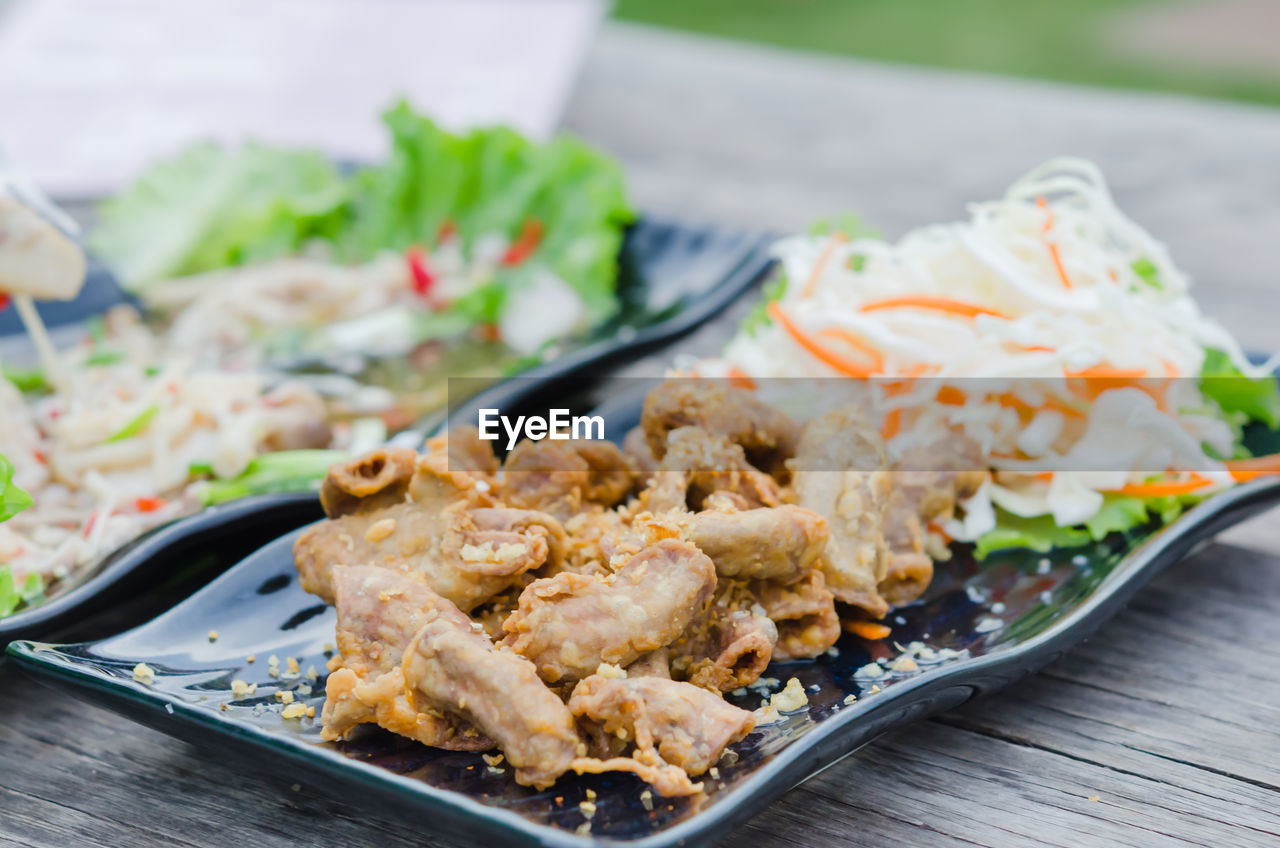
[1047, 604]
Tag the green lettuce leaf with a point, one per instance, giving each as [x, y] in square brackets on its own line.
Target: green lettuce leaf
[12, 499]
[281, 471]
[13, 595]
[494, 181]
[210, 207]
[1257, 399]
[1118, 514]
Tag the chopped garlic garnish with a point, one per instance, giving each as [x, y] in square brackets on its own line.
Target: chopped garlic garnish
[143, 673]
[791, 698]
[610, 670]
[380, 530]
[240, 689]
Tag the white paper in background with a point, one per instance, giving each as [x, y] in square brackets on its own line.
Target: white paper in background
[91, 90]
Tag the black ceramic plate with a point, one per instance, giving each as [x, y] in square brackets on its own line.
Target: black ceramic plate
[991, 624]
[672, 278]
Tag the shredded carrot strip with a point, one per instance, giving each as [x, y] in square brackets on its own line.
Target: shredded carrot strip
[893, 388]
[1051, 244]
[1106, 372]
[1014, 402]
[868, 630]
[845, 366]
[1244, 470]
[823, 259]
[940, 304]
[1161, 488]
[856, 342]
[892, 424]
[1038, 348]
[951, 396]
[740, 379]
[147, 504]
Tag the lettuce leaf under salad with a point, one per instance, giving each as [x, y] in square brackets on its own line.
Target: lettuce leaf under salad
[14, 500]
[211, 207]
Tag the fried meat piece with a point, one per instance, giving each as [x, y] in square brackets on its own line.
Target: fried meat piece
[560, 477]
[925, 486]
[656, 663]
[453, 668]
[837, 473]
[728, 646]
[698, 465]
[455, 467]
[570, 623]
[767, 435]
[377, 480]
[466, 555]
[635, 446]
[667, 722]
[379, 613]
[781, 543]
[805, 615]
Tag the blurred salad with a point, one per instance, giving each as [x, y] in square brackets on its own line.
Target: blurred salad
[14, 592]
[1049, 330]
[293, 312]
[486, 235]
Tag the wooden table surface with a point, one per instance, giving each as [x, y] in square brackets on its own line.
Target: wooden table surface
[1161, 730]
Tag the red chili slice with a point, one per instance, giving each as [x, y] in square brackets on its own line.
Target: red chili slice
[423, 279]
[146, 504]
[525, 244]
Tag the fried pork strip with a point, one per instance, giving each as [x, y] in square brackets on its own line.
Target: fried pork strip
[730, 645]
[837, 473]
[698, 465]
[368, 483]
[926, 485]
[570, 623]
[804, 613]
[379, 613]
[667, 722]
[767, 435]
[466, 555]
[452, 667]
[561, 477]
[781, 543]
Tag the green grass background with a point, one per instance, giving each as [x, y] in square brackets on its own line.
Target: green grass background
[1063, 40]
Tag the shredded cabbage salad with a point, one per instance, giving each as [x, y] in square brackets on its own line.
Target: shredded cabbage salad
[1051, 284]
[136, 436]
